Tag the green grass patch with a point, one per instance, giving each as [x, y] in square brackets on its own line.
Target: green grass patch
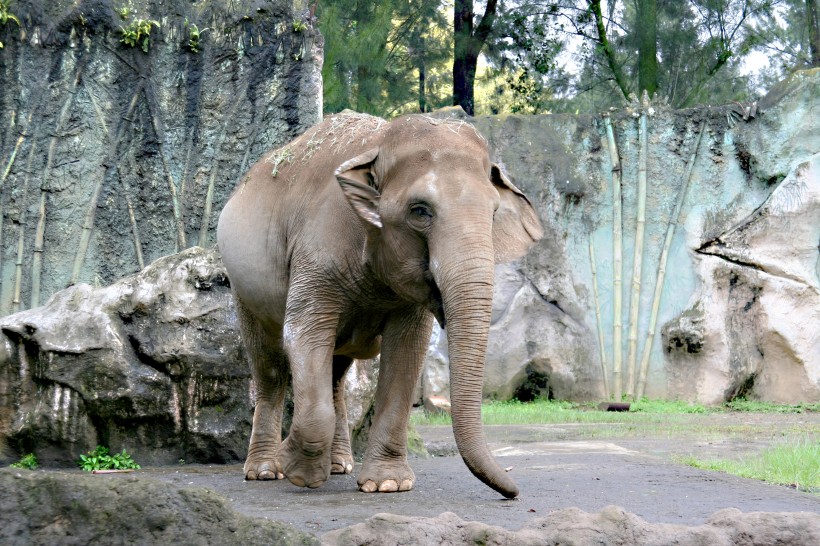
[795, 463]
[541, 412]
[666, 406]
[741, 404]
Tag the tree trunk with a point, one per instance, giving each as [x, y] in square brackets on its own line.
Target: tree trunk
[647, 47]
[422, 87]
[467, 44]
[606, 47]
[813, 19]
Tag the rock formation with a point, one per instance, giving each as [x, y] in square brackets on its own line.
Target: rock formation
[85, 509]
[117, 150]
[152, 363]
[612, 525]
[737, 312]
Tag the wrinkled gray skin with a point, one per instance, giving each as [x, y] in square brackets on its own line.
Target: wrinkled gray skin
[347, 243]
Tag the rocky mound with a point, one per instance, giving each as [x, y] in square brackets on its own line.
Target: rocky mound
[65, 508]
[610, 526]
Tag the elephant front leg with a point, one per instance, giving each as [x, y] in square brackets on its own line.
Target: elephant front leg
[306, 452]
[404, 342]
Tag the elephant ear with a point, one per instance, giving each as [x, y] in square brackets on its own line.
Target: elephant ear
[515, 226]
[355, 177]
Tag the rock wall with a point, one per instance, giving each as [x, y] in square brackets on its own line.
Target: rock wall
[738, 311]
[112, 156]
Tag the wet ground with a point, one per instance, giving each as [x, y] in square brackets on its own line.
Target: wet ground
[555, 466]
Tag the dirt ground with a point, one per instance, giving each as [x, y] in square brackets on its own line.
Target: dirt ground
[555, 466]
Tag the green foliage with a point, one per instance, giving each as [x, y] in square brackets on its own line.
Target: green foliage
[299, 26]
[137, 33]
[385, 58]
[795, 464]
[28, 462]
[194, 37]
[6, 15]
[100, 459]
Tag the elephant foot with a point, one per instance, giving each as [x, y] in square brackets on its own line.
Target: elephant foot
[303, 466]
[263, 468]
[384, 477]
[341, 461]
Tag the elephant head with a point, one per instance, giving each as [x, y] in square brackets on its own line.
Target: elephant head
[439, 215]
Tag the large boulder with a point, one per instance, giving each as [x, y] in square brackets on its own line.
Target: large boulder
[152, 363]
[760, 336]
[39, 508]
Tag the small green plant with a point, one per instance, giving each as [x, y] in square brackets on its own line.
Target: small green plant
[6, 15]
[123, 12]
[194, 37]
[299, 26]
[29, 462]
[100, 459]
[137, 33]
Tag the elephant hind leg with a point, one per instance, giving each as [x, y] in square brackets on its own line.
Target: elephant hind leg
[269, 369]
[341, 454]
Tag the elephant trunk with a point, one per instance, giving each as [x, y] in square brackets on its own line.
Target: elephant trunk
[467, 291]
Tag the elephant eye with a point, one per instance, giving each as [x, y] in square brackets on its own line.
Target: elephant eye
[420, 216]
[421, 211]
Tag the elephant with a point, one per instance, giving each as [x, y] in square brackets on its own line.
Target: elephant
[347, 243]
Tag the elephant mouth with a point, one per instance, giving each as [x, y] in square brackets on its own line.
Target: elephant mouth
[435, 303]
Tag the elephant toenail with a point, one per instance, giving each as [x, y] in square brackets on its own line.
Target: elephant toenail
[406, 485]
[299, 482]
[349, 468]
[388, 486]
[280, 476]
[368, 487]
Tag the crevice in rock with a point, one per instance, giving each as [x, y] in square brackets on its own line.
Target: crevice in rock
[711, 248]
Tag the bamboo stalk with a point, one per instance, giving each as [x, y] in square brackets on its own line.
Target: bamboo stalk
[132, 217]
[179, 223]
[601, 346]
[637, 258]
[88, 219]
[206, 213]
[21, 237]
[659, 281]
[37, 260]
[617, 252]
[3, 178]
